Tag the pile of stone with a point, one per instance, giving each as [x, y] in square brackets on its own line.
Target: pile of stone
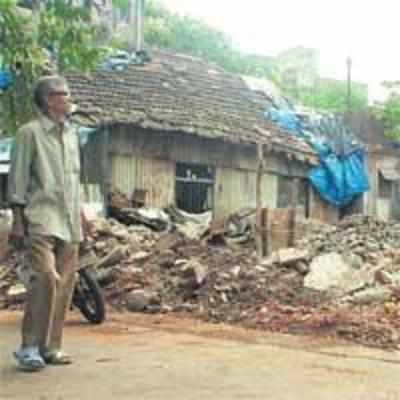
[357, 261]
[342, 280]
[361, 237]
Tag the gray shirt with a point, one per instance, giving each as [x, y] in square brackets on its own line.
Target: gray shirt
[45, 178]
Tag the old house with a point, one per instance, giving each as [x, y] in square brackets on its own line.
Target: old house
[383, 198]
[177, 130]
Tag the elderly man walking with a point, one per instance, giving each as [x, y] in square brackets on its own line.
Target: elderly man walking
[44, 193]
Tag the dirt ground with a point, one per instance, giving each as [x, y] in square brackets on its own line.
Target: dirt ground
[135, 356]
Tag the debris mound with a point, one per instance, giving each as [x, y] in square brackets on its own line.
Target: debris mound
[341, 281]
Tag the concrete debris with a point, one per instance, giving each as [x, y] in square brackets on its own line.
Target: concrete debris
[192, 230]
[326, 271]
[291, 256]
[112, 258]
[336, 279]
[383, 277]
[139, 256]
[241, 222]
[371, 296]
[3, 271]
[169, 241]
[302, 267]
[140, 299]
[16, 293]
[151, 217]
[194, 273]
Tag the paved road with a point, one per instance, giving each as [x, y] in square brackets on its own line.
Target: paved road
[154, 358]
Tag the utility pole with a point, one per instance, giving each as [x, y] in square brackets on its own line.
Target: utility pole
[136, 17]
[349, 65]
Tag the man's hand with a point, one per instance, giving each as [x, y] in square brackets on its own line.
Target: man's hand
[17, 236]
[18, 229]
[88, 229]
[87, 226]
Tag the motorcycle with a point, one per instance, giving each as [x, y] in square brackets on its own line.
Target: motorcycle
[88, 296]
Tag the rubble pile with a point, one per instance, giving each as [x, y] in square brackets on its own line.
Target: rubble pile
[362, 237]
[341, 280]
[360, 258]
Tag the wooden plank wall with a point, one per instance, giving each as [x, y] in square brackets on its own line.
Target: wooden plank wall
[146, 160]
[157, 177]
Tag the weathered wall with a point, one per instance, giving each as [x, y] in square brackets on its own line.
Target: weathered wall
[184, 148]
[322, 211]
[370, 197]
[157, 177]
[91, 193]
[146, 160]
[178, 147]
[235, 189]
[371, 131]
[374, 204]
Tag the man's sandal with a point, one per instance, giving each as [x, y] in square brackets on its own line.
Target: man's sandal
[57, 358]
[29, 361]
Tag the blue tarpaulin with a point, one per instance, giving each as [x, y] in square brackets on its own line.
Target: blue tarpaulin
[339, 181]
[341, 175]
[5, 79]
[285, 119]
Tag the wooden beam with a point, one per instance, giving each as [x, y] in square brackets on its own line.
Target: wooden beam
[259, 227]
[294, 194]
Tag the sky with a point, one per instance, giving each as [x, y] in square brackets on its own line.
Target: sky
[366, 31]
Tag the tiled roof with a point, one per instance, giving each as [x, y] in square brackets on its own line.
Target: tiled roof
[184, 94]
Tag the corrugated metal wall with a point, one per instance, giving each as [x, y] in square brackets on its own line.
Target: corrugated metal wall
[92, 159]
[236, 189]
[91, 193]
[181, 147]
[155, 176]
[269, 191]
[123, 173]
[383, 209]
[146, 160]
[158, 177]
[370, 197]
[321, 210]
[233, 190]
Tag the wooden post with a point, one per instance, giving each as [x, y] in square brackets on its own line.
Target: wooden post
[135, 23]
[259, 227]
[294, 194]
[106, 167]
[266, 232]
[139, 15]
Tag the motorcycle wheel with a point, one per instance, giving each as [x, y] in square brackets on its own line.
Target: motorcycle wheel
[88, 297]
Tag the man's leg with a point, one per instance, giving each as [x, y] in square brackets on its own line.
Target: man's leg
[66, 255]
[41, 300]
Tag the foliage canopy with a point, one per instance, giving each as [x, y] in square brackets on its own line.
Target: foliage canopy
[164, 29]
[182, 33]
[60, 35]
[65, 32]
[388, 111]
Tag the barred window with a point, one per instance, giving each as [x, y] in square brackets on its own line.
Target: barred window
[194, 187]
